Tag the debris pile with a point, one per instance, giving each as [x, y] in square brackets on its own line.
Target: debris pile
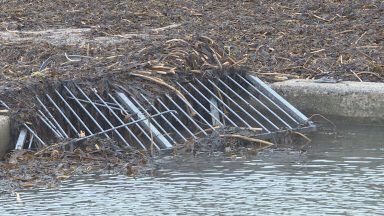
[116, 83]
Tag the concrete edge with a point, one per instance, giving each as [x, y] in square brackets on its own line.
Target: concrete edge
[344, 99]
[5, 135]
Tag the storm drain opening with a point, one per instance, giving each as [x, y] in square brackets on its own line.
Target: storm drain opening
[201, 106]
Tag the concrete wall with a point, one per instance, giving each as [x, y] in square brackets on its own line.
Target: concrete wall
[347, 99]
[5, 136]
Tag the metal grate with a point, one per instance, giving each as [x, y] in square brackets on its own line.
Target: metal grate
[204, 106]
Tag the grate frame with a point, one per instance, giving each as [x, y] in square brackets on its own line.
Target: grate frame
[236, 101]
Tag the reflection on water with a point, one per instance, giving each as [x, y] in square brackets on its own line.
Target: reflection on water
[336, 176]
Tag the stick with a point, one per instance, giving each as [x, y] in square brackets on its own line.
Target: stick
[302, 135]
[163, 83]
[249, 139]
[360, 37]
[357, 76]
[166, 27]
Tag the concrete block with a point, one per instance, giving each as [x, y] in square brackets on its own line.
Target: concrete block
[346, 99]
[5, 135]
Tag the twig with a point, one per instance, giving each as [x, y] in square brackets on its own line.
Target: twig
[321, 18]
[166, 27]
[317, 51]
[249, 139]
[372, 73]
[357, 76]
[252, 129]
[69, 59]
[302, 135]
[360, 37]
[207, 130]
[163, 83]
[329, 121]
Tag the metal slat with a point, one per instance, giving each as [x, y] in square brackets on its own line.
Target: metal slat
[73, 112]
[214, 113]
[146, 123]
[224, 104]
[249, 105]
[86, 111]
[63, 115]
[154, 120]
[194, 110]
[188, 116]
[280, 101]
[238, 106]
[136, 124]
[21, 140]
[103, 116]
[212, 105]
[164, 118]
[260, 102]
[53, 118]
[177, 119]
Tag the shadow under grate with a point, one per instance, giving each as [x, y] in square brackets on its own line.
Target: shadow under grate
[204, 106]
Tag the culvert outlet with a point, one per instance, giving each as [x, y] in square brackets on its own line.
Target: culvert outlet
[200, 107]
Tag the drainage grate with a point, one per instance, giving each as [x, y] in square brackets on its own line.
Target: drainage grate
[204, 106]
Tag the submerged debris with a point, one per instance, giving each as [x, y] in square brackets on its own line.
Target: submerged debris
[52, 164]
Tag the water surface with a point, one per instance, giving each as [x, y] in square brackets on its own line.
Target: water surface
[340, 176]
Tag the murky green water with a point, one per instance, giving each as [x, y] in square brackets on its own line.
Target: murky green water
[343, 176]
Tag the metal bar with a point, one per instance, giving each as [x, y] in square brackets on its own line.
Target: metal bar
[146, 123]
[278, 99]
[124, 125]
[86, 111]
[119, 119]
[4, 104]
[62, 114]
[34, 134]
[224, 104]
[96, 103]
[53, 118]
[241, 108]
[177, 119]
[188, 116]
[260, 102]
[249, 105]
[214, 113]
[201, 105]
[137, 125]
[21, 140]
[154, 120]
[165, 119]
[221, 112]
[48, 124]
[31, 141]
[102, 115]
[194, 110]
[73, 112]
[269, 99]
